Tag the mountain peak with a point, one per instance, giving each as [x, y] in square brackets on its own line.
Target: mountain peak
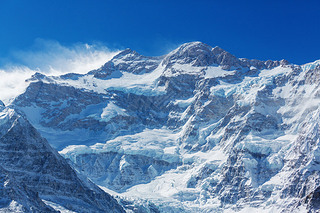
[200, 54]
[195, 53]
[191, 47]
[127, 60]
[126, 52]
[194, 44]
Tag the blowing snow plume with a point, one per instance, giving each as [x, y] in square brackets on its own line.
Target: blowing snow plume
[48, 57]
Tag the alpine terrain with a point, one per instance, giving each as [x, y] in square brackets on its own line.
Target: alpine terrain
[196, 130]
[35, 178]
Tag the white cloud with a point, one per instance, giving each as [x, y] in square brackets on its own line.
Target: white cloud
[51, 58]
[13, 83]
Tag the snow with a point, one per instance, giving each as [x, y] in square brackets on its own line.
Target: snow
[215, 155]
[123, 163]
[57, 207]
[256, 144]
[165, 186]
[214, 72]
[34, 113]
[310, 65]
[178, 69]
[14, 206]
[206, 72]
[128, 82]
[170, 190]
[249, 209]
[267, 73]
[71, 152]
[184, 103]
[156, 143]
[5, 115]
[111, 111]
[247, 88]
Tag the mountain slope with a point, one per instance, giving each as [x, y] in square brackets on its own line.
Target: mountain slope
[199, 128]
[32, 174]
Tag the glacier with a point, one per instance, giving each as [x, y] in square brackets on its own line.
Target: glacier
[197, 129]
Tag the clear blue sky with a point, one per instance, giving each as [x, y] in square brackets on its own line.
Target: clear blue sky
[275, 29]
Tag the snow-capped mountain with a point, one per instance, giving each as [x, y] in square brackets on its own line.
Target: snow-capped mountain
[195, 130]
[35, 178]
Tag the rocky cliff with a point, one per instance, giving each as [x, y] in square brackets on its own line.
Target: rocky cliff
[35, 178]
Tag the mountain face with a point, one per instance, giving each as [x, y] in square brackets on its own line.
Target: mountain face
[35, 178]
[196, 130]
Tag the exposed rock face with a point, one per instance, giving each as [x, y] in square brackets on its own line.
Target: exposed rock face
[31, 171]
[200, 128]
[17, 198]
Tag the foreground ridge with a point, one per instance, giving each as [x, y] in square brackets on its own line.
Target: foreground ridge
[35, 178]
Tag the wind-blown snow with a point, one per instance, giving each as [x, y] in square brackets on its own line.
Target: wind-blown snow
[12, 83]
[52, 58]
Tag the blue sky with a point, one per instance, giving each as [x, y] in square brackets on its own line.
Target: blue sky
[263, 30]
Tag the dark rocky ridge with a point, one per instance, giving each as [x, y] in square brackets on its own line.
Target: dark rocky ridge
[31, 170]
